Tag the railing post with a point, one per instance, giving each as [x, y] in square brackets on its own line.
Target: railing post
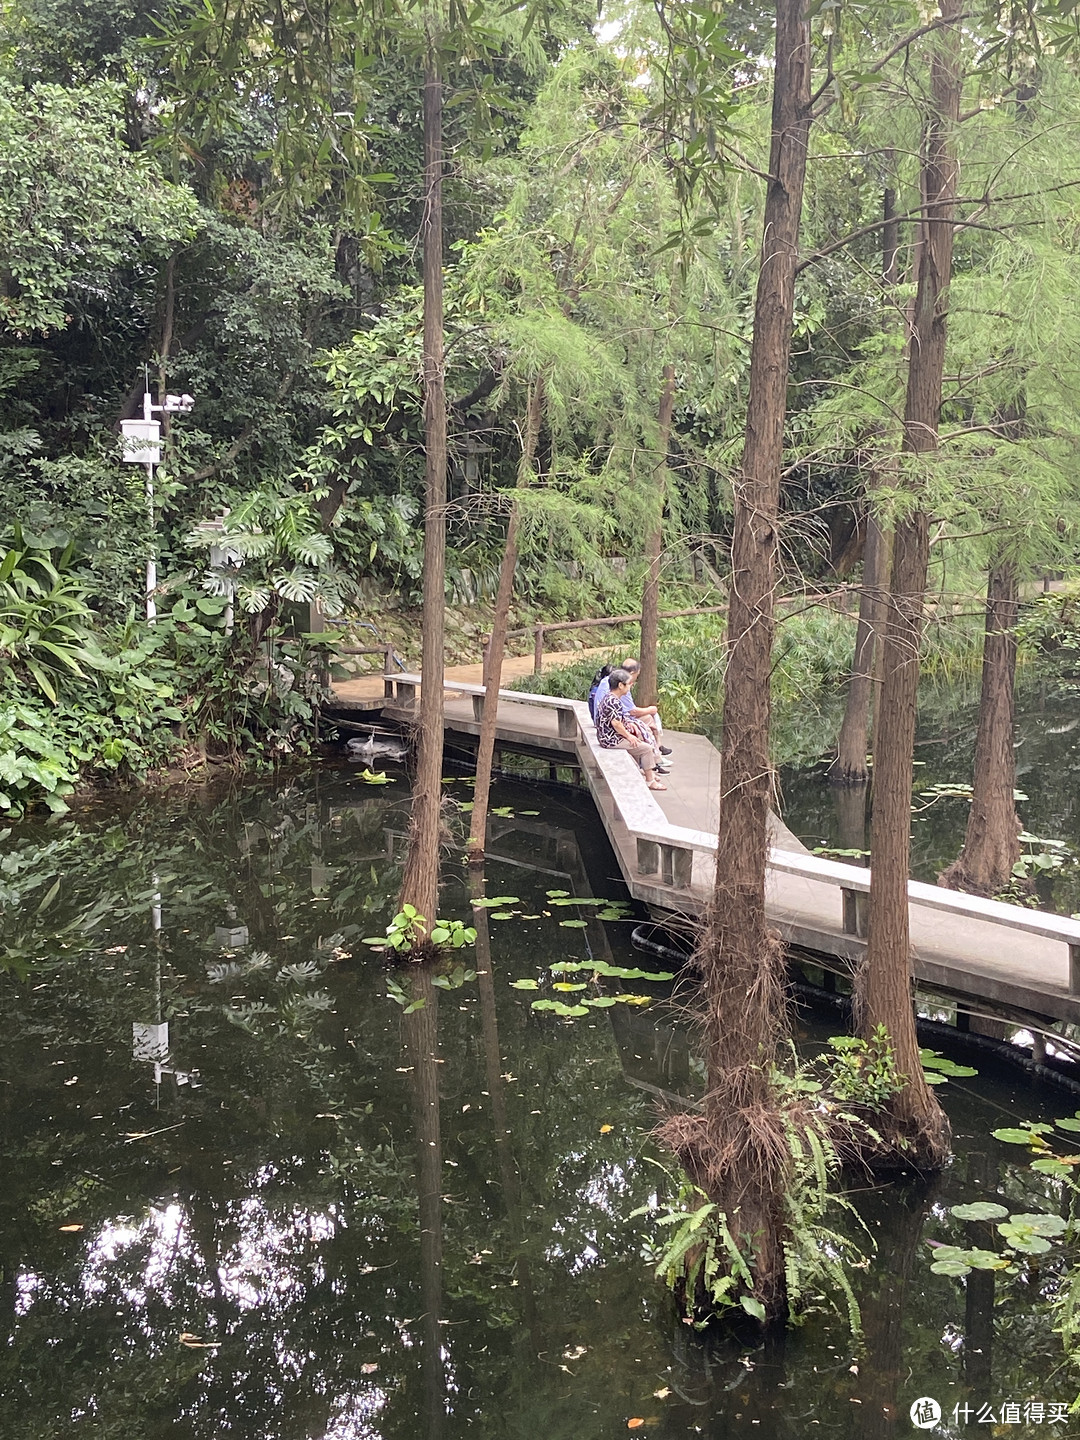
[1074, 969]
[538, 651]
[485, 644]
[854, 913]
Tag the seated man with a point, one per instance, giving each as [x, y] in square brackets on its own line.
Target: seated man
[613, 732]
[647, 717]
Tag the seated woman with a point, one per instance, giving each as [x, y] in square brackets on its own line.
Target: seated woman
[613, 732]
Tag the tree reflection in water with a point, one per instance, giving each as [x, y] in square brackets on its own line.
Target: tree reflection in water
[324, 1237]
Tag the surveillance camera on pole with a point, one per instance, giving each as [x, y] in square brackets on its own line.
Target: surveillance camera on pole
[142, 446]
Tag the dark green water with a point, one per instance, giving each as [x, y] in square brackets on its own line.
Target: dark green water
[1048, 777]
[320, 1217]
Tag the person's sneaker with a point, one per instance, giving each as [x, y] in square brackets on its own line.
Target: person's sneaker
[663, 769]
[665, 749]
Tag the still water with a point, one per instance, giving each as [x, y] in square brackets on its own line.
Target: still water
[304, 1212]
[1047, 779]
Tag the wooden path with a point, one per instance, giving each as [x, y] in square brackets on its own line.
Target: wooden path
[1014, 961]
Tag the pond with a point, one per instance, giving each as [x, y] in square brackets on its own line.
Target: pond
[1047, 778]
[308, 1210]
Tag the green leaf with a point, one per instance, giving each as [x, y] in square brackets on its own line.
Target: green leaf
[1041, 1224]
[1071, 1123]
[753, 1306]
[1051, 1165]
[979, 1210]
[574, 924]
[524, 985]
[1013, 1136]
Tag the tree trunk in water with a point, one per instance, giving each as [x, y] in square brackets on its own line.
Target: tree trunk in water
[485, 749]
[421, 1030]
[991, 845]
[509, 1176]
[420, 882]
[738, 1149]
[648, 684]
[913, 1125]
[852, 747]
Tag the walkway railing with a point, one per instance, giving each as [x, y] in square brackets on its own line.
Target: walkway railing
[674, 864]
[540, 632]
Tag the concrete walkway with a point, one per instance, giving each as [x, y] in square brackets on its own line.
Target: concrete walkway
[367, 688]
[665, 843]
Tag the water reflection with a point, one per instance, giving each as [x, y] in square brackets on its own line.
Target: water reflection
[367, 1223]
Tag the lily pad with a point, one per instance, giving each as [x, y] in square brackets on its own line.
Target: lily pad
[524, 985]
[979, 1210]
[1041, 1224]
[1013, 1136]
[574, 924]
[559, 1008]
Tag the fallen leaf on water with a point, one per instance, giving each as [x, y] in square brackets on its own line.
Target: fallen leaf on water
[71, 1227]
[635, 1423]
[73, 1081]
[606, 1129]
[369, 1368]
[662, 1394]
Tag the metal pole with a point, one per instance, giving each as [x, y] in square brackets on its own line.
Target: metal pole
[151, 559]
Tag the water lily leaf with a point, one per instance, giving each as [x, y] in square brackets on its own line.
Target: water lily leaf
[569, 985]
[601, 1002]
[1051, 1165]
[532, 985]
[1071, 1123]
[986, 1260]
[503, 915]
[574, 924]
[496, 902]
[1040, 1224]
[559, 1008]
[979, 1210]
[556, 894]
[1013, 1136]
[931, 1060]
[950, 1267]
[1023, 1239]
[635, 999]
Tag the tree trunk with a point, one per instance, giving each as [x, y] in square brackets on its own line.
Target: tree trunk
[648, 684]
[421, 1033]
[738, 1150]
[853, 745]
[485, 750]
[420, 882]
[914, 1126]
[991, 845]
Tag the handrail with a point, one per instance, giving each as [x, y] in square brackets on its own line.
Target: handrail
[539, 631]
[650, 829]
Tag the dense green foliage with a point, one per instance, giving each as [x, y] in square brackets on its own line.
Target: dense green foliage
[224, 201]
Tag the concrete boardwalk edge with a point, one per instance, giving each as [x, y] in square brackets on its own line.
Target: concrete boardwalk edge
[665, 844]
